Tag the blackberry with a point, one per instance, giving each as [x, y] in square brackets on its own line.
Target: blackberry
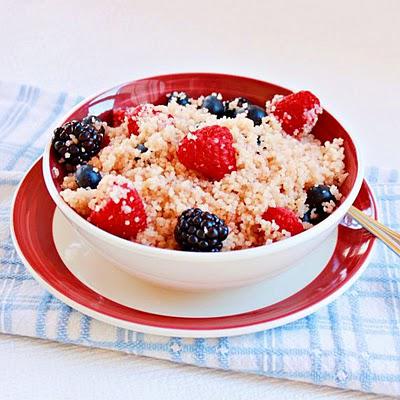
[316, 196]
[76, 142]
[95, 121]
[200, 231]
[180, 97]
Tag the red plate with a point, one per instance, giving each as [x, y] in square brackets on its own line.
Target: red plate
[32, 218]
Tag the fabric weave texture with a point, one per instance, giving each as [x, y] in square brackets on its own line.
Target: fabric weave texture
[353, 343]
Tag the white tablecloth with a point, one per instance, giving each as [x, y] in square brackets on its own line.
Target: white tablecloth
[54, 371]
[346, 52]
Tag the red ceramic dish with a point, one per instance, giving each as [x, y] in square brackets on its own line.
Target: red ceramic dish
[32, 219]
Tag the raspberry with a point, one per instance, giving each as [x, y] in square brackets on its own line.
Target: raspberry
[209, 151]
[134, 114]
[121, 213]
[119, 114]
[297, 112]
[286, 219]
[131, 113]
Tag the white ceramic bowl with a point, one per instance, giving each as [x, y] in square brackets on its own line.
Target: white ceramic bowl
[201, 271]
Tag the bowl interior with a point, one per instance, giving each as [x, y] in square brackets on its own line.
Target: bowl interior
[153, 90]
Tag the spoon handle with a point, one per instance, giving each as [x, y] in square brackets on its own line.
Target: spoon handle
[388, 236]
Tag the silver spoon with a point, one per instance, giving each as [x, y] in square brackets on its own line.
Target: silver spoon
[388, 236]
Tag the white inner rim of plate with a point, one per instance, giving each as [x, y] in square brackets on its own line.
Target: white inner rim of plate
[111, 282]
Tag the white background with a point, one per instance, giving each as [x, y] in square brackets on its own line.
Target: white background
[347, 52]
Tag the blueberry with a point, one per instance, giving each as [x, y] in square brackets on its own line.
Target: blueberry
[142, 148]
[236, 106]
[229, 112]
[86, 176]
[214, 105]
[242, 102]
[180, 97]
[316, 196]
[307, 217]
[256, 113]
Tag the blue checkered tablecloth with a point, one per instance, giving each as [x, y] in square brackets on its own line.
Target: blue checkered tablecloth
[353, 343]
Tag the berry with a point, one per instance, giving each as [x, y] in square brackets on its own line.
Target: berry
[121, 213]
[214, 105]
[297, 112]
[256, 114]
[95, 121]
[233, 107]
[87, 176]
[142, 148]
[209, 151]
[285, 218]
[181, 98]
[200, 231]
[132, 115]
[229, 112]
[76, 142]
[316, 197]
[242, 102]
[307, 217]
[121, 114]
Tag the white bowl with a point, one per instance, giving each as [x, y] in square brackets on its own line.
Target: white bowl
[201, 271]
